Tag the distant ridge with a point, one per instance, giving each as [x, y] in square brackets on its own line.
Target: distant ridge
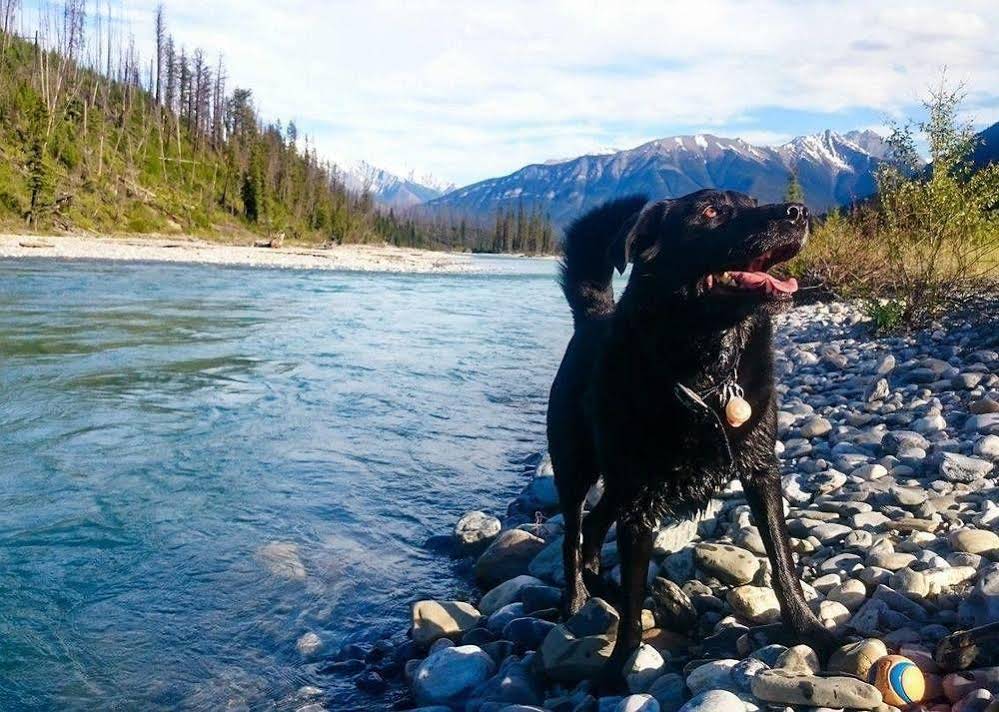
[390, 190]
[833, 168]
[987, 151]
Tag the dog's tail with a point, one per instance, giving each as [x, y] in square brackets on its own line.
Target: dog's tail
[587, 265]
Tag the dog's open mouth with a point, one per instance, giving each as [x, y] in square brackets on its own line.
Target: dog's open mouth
[755, 278]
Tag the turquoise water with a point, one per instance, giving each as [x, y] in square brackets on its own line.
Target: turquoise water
[169, 430]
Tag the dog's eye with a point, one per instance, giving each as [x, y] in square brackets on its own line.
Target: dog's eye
[709, 212]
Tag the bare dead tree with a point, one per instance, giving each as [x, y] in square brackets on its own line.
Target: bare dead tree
[197, 82]
[107, 68]
[205, 104]
[160, 37]
[184, 88]
[218, 106]
[170, 59]
[8, 19]
[73, 18]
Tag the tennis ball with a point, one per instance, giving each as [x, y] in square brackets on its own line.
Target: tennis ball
[899, 680]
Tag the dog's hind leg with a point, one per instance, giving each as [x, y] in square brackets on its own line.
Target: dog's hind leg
[596, 524]
[575, 589]
[763, 493]
[572, 488]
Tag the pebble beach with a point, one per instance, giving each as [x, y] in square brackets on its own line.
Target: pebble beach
[888, 448]
[355, 258]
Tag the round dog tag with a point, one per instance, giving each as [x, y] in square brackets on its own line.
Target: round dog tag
[737, 411]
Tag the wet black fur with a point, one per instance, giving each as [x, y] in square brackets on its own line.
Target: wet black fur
[614, 410]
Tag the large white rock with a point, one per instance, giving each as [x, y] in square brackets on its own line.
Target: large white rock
[642, 668]
[450, 674]
[774, 686]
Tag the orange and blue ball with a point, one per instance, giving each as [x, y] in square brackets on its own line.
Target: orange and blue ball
[899, 680]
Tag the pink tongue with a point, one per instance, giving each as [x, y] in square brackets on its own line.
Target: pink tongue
[762, 280]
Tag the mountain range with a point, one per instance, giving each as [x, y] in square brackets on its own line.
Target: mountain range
[833, 169]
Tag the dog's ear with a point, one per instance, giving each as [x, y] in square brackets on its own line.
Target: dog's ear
[638, 234]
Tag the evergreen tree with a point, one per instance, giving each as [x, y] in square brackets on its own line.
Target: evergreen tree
[794, 193]
[37, 173]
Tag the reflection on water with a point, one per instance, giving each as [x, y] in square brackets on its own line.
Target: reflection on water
[201, 464]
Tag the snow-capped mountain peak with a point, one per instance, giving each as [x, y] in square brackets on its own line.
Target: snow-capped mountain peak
[833, 169]
[390, 189]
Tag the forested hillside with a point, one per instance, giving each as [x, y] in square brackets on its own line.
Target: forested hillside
[94, 137]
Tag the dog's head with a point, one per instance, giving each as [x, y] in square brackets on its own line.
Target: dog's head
[717, 247]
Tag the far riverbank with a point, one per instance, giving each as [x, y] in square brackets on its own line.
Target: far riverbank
[356, 258]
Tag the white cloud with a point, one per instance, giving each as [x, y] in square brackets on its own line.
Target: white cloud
[474, 88]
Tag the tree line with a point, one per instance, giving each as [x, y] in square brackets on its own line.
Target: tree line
[521, 230]
[93, 136]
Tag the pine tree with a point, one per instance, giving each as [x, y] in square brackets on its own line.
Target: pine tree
[37, 173]
[794, 192]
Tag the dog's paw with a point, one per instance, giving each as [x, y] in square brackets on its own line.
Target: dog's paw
[822, 640]
[611, 682]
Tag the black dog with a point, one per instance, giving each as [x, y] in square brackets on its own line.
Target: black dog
[641, 394]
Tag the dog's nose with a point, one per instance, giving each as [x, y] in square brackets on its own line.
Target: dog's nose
[796, 212]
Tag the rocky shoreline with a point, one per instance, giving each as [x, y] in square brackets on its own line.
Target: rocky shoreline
[889, 449]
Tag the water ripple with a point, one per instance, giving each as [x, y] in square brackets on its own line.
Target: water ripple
[168, 423]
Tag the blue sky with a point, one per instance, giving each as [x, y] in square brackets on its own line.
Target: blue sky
[467, 90]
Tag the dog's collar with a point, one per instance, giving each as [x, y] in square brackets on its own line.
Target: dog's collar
[693, 401]
[726, 388]
[727, 391]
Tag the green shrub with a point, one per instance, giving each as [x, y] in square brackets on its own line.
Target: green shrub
[930, 236]
[10, 204]
[940, 233]
[141, 219]
[886, 315]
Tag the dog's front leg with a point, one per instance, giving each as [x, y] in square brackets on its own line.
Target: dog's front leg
[765, 500]
[634, 545]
